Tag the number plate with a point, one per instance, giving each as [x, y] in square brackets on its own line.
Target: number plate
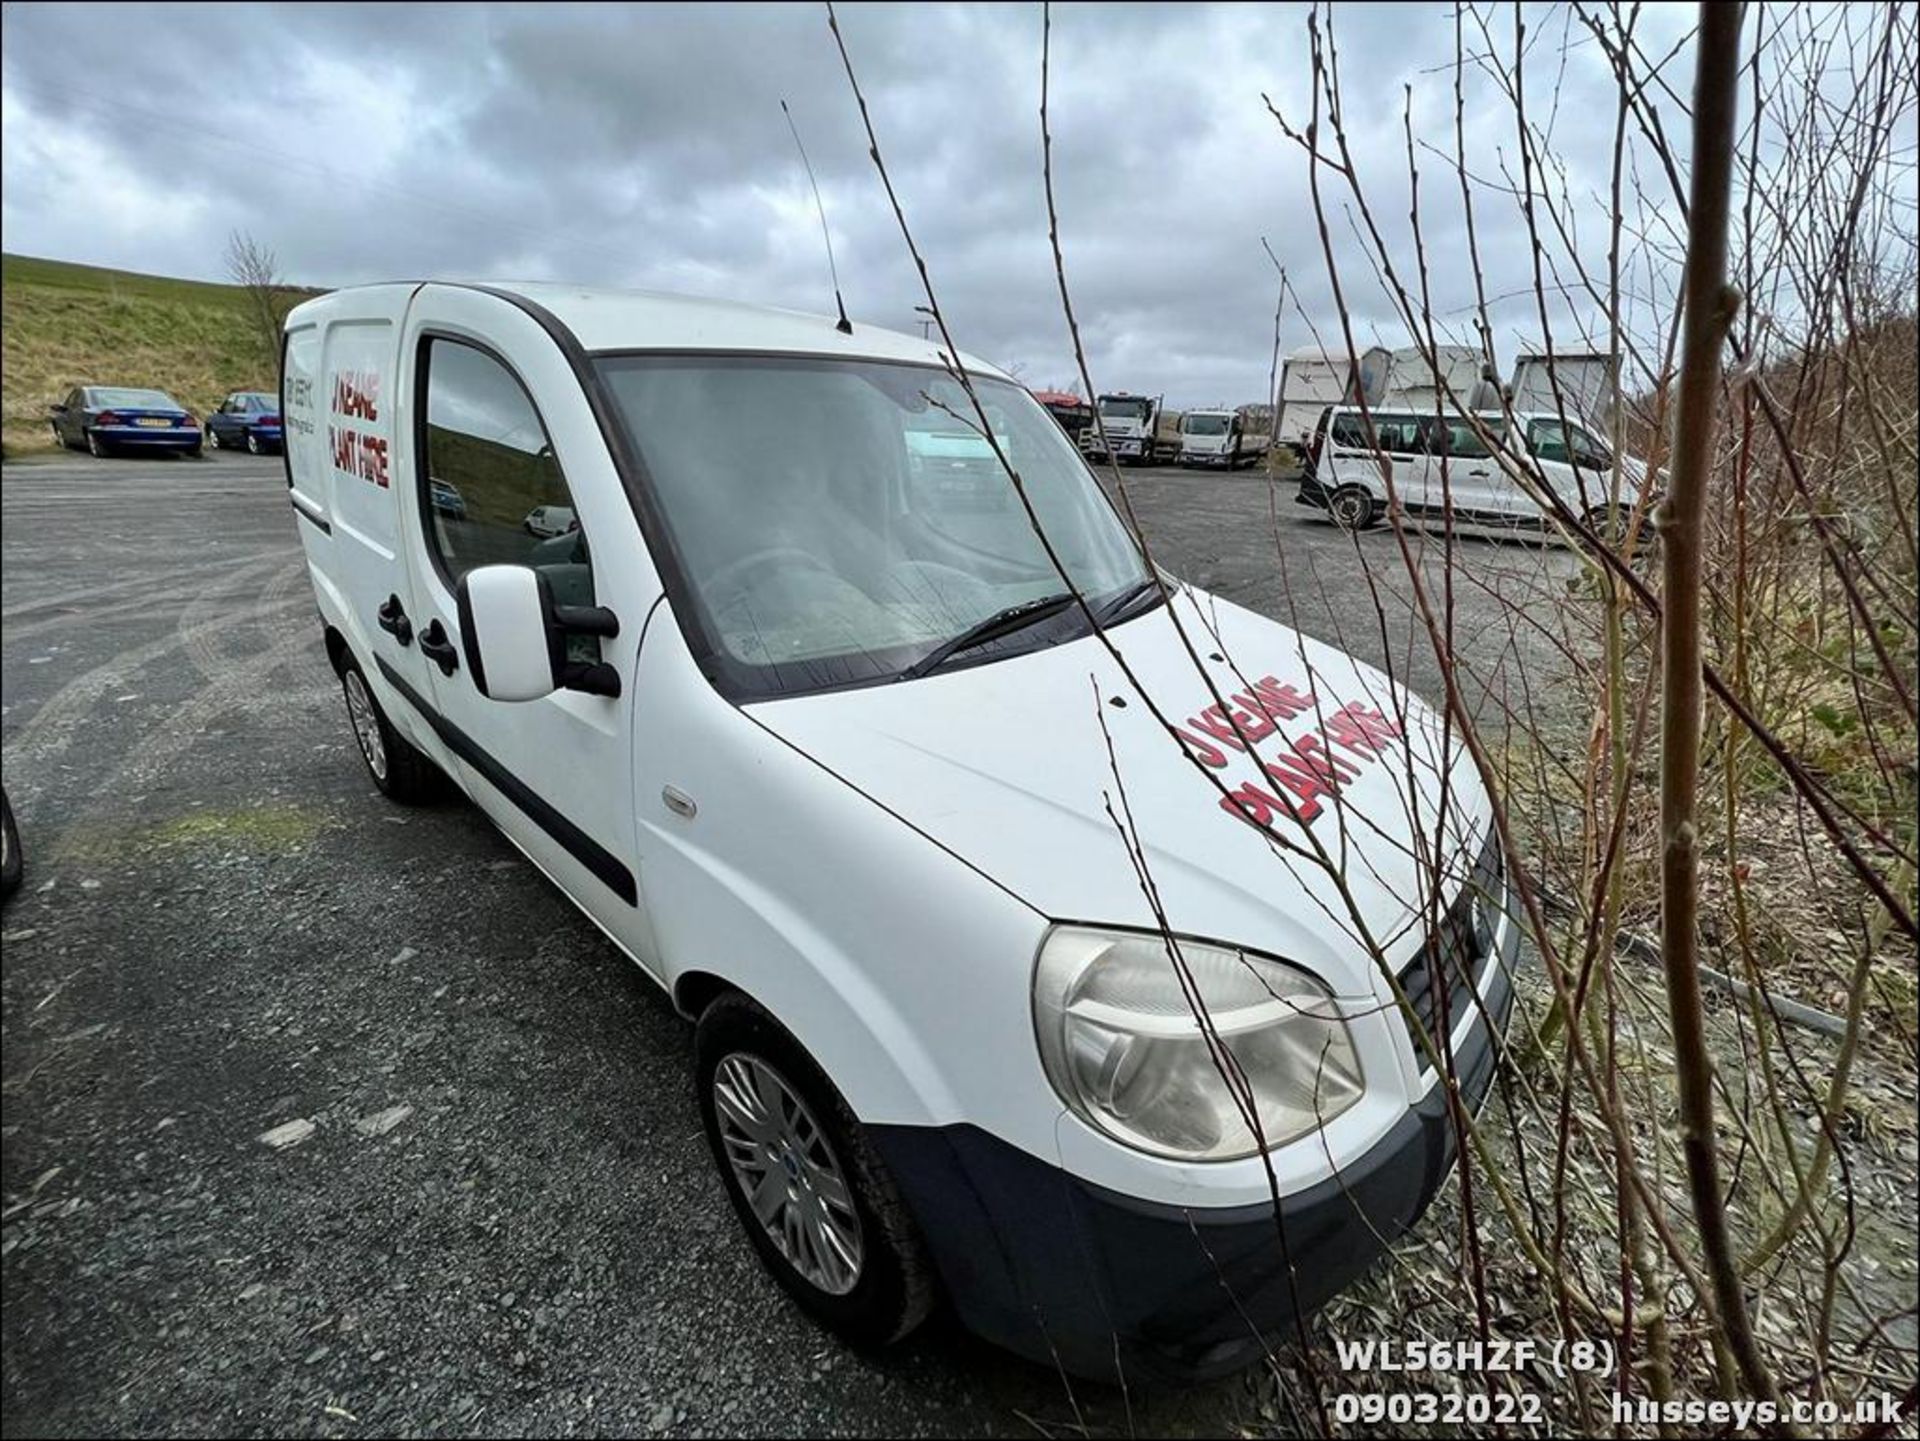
[153, 420]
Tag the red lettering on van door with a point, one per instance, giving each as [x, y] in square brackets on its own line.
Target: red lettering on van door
[357, 393]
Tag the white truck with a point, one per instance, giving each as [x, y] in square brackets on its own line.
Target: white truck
[1139, 429]
[1229, 439]
[806, 718]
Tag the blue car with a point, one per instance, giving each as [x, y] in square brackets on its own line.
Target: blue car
[108, 418]
[247, 418]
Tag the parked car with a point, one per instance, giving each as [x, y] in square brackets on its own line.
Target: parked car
[248, 419]
[446, 498]
[104, 419]
[819, 749]
[550, 520]
[1490, 469]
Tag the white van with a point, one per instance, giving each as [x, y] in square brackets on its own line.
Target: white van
[806, 720]
[1493, 466]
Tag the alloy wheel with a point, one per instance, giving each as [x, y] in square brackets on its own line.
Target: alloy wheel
[366, 725]
[784, 1166]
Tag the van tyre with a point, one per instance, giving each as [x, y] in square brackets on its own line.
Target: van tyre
[11, 862]
[398, 768]
[1352, 508]
[835, 1233]
[1608, 524]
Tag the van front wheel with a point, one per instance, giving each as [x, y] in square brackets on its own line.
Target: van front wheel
[398, 768]
[815, 1199]
[1609, 523]
[1352, 508]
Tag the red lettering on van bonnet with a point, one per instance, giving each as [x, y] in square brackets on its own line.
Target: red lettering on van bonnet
[1306, 768]
[1207, 753]
[1361, 729]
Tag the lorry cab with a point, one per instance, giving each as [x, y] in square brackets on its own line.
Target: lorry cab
[1132, 430]
[1494, 466]
[726, 621]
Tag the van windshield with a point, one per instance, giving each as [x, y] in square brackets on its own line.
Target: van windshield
[835, 522]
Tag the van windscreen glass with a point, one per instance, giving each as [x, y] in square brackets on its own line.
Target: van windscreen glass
[834, 522]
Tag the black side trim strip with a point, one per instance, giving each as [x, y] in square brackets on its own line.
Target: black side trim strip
[326, 527]
[605, 866]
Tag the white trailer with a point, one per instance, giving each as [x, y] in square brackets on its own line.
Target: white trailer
[1581, 382]
[1314, 378]
[1458, 377]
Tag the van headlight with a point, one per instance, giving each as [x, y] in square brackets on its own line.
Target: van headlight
[1123, 1047]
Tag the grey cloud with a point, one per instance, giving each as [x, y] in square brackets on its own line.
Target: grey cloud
[644, 146]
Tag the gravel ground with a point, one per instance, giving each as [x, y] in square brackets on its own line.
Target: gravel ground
[497, 1213]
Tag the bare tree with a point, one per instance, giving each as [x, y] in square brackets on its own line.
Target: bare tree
[1759, 624]
[256, 270]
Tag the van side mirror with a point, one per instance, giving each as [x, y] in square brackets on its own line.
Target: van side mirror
[515, 636]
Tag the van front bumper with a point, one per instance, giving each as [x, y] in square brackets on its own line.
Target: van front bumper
[1073, 1275]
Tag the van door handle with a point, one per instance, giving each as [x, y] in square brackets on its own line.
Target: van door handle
[393, 620]
[435, 646]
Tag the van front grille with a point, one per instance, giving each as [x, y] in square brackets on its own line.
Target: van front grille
[1446, 966]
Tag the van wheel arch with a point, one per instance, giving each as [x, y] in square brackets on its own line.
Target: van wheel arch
[694, 991]
[338, 652]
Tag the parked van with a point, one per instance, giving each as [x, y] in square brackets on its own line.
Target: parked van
[828, 745]
[1493, 468]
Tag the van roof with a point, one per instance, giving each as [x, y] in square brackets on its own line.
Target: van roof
[653, 320]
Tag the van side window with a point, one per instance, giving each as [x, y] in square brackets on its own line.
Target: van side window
[491, 490]
[1570, 445]
[1397, 434]
[1463, 441]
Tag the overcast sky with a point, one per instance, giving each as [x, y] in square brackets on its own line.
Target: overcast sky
[644, 146]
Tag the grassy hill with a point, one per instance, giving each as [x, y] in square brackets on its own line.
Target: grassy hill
[64, 325]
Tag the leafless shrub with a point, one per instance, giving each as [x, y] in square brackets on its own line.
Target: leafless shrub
[1783, 700]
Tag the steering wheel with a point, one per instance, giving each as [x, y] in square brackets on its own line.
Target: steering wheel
[730, 574]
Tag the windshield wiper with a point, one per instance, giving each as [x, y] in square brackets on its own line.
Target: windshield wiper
[1001, 622]
[1119, 607]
